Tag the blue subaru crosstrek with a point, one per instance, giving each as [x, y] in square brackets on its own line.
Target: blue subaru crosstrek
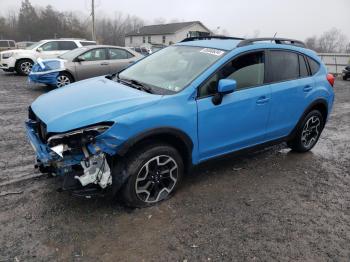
[137, 132]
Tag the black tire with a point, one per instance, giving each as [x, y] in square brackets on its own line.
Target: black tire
[345, 78]
[136, 168]
[24, 66]
[63, 79]
[308, 132]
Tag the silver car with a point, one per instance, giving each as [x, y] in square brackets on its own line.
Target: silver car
[82, 63]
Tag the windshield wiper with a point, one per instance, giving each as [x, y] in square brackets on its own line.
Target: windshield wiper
[134, 83]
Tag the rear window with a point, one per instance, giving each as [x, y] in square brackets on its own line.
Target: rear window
[4, 44]
[12, 43]
[283, 66]
[85, 43]
[66, 45]
[314, 66]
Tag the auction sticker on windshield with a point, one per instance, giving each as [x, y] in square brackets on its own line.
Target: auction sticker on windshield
[212, 51]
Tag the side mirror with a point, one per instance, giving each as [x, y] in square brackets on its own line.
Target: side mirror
[39, 49]
[79, 59]
[225, 86]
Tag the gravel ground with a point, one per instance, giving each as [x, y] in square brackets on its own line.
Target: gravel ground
[271, 205]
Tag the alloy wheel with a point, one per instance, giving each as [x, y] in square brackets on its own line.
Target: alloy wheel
[156, 179]
[26, 67]
[311, 131]
[62, 80]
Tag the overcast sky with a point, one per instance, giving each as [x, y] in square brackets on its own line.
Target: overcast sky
[289, 18]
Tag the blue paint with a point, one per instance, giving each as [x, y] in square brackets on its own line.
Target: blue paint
[240, 121]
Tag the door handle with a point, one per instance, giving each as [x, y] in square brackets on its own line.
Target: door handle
[104, 63]
[262, 100]
[307, 88]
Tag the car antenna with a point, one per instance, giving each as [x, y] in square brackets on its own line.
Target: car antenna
[274, 36]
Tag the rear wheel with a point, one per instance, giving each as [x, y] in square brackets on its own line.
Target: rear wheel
[155, 171]
[308, 132]
[345, 78]
[63, 79]
[24, 66]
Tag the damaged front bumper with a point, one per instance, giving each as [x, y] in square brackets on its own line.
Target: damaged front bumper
[84, 173]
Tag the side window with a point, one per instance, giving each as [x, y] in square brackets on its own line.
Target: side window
[284, 66]
[314, 66]
[66, 45]
[50, 46]
[248, 70]
[116, 53]
[12, 43]
[95, 55]
[303, 71]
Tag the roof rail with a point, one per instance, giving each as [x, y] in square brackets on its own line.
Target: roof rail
[209, 37]
[284, 41]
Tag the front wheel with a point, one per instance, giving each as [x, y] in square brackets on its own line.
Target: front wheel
[308, 132]
[155, 171]
[24, 66]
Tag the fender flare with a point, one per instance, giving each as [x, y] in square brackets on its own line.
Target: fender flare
[314, 103]
[153, 133]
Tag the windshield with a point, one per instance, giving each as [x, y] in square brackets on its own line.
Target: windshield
[70, 55]
[35, 45]
[172, 68]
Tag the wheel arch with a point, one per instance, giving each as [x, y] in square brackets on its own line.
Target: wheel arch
[318, 104]
[68, 72]
[23, 58]
[169, 135]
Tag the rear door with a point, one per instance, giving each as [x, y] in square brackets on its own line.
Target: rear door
[119, 59]
[95, 63]
[290, 82]
[64, 46]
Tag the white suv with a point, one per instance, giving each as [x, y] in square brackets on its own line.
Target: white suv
[22, 60]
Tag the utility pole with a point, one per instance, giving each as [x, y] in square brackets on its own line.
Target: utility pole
[93, 19]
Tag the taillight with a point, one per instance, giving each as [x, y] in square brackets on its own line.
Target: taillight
[330, 79]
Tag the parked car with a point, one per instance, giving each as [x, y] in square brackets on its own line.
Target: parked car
[346, 72]
[22, 60]
[142, 50]
[7, 45]
[139, 131]
[24, 45]
[81, 63]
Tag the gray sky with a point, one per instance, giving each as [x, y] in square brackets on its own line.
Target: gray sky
[290, 18]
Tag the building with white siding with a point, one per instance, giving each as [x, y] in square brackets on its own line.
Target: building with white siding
[165, 34]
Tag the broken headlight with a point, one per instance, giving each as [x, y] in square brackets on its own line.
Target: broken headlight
[79, 137]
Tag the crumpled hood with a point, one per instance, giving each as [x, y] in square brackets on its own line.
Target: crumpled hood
[88, 102]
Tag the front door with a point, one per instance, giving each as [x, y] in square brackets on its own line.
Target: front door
[95, 63]
[241, 118]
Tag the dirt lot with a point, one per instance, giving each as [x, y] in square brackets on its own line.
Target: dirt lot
[272, 205]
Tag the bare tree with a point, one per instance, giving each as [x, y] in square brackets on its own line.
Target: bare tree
[331, 41]
[312, 43]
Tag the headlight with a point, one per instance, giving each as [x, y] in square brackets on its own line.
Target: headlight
[7, 55]
[79, 137]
